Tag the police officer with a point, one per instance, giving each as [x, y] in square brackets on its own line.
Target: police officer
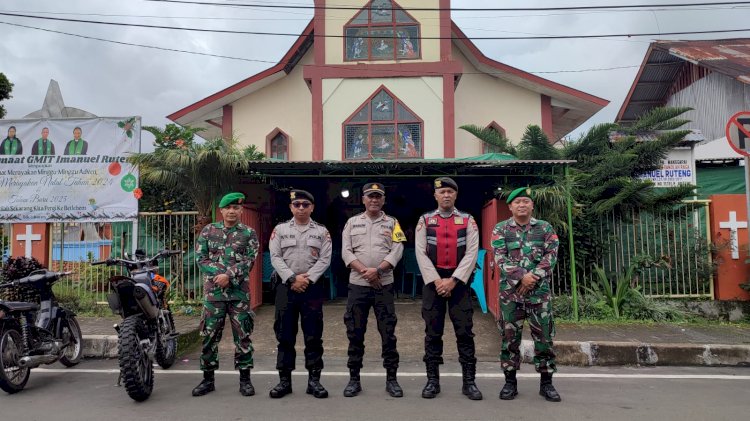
[372, 246]
[525, 250]
[447, 244]
[226, 251]
[300, 254]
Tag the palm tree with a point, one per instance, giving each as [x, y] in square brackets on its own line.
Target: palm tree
[491, 137]
[204, 171]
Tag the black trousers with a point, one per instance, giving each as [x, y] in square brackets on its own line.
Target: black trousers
[358, 305]
[290, 307]
[461, 312]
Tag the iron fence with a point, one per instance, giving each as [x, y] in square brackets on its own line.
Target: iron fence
[679, 237]
[75, 246]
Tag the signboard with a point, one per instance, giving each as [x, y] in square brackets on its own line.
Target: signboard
[738, 132]
[678, 168]
[57, 170]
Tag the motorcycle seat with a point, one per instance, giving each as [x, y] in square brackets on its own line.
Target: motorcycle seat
[20, 306]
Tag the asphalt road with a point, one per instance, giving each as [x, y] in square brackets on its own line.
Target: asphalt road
[88, 392]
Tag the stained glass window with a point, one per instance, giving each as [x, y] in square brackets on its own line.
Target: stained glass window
[382, 30]
[383, 127]
[278, 146]
[486, 147]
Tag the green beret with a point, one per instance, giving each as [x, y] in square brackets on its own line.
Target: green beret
[232, 199]
[445, 182]
[301, 194]
[519, 192]
[373, 188]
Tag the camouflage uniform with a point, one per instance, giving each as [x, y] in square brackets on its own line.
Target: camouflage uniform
[230, 251]
[520, 249]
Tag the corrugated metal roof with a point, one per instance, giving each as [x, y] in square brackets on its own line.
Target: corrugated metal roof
[664, 62]
[406, 168]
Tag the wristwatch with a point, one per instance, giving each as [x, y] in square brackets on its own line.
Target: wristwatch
[291, 279]
[456, 280]
[380, 272]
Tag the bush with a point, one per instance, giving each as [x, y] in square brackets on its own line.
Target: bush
[640, 307]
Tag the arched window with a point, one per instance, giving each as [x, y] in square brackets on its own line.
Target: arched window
[382, 30]
[383, 127]
[277, 145]
[487, 148]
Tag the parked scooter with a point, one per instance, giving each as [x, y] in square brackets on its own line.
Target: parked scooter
[34, 334]
[147, 332]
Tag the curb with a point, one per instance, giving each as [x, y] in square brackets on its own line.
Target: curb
[644, 354]
[105, 346]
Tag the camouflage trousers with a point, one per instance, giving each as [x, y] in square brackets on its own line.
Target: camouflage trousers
[212, 327]
[542, 327]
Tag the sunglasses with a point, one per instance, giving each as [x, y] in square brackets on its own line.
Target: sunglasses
[303, 205]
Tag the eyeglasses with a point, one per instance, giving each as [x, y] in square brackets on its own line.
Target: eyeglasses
[303, 205]
[375, 196]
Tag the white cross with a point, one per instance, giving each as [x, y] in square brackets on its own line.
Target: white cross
[28, 238]
[733, 224]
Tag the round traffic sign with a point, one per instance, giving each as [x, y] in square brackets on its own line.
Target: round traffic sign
[738, 132]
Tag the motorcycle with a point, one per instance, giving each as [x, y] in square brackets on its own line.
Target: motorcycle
[34, 334]
[147, 332]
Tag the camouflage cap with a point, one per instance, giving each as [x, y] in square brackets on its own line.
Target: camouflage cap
[445, 182]
[519, 192]
[232, 199]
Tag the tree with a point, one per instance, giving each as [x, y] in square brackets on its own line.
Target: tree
[535, 145]
[491, 137]
[5, 89]
[203, 171]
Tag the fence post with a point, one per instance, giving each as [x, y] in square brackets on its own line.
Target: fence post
[572, 253]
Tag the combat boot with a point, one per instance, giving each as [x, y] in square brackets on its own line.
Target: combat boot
[246, 387]
[206, 385]
[284, 387]
[510, 389]
[313, 385]
[432, 388]
[547, 390]
[391, 384]
[470, 389]
[354, 386]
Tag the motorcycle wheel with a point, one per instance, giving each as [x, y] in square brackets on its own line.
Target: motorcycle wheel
[135, 366]
[71, 332]
[12, 377]
[166, 352]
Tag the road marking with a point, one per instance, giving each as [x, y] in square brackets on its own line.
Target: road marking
[422, 374]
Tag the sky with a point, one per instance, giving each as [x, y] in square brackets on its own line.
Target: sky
[110, 79]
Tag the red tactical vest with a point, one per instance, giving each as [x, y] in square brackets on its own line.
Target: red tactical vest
[446, 238]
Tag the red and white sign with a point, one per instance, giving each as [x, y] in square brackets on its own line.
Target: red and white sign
[738, 132]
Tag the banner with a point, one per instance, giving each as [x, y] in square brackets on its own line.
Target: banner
[678, 168]
[69, 170]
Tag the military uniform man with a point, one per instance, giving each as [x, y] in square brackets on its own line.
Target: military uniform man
[226, 251]
[525, 250]
[446, 245]
[300, 254]
[372, 245]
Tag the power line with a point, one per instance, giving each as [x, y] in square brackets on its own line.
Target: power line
[275, 62]
[459, 9]
[287, 34]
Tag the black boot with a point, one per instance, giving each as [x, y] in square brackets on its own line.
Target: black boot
[391, 384]
[470, 389]
[547, 390]
[246, 387]
[313, 385]
[354, 386]
[206, 385]
[510, 389]
[284, 387]
[432, 388]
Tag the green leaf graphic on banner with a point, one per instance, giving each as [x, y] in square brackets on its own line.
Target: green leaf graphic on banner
[128, 183]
